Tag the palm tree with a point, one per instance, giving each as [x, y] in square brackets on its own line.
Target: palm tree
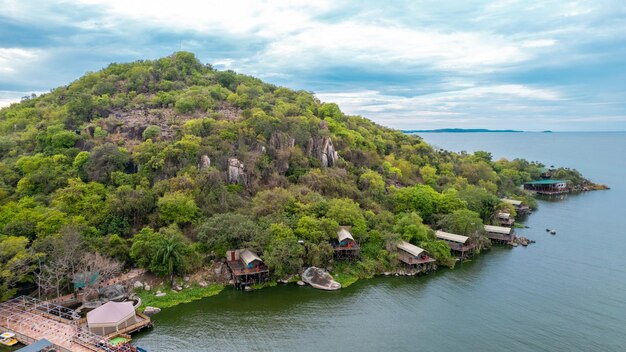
[170, 255]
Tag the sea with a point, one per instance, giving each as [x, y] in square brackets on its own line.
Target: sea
[566, 292]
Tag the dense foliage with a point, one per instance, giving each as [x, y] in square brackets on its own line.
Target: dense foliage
[137, 160]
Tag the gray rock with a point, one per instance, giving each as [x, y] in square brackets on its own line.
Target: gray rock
[236, 172]
[248, 288]
[160, 294]
[321, 148]
[147, 287]
[151, 310]
[301, 283]
[205, 162]
[202, 284]
[138, 284]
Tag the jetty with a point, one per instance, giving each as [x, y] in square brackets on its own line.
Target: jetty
[460, 246]
[33, 320]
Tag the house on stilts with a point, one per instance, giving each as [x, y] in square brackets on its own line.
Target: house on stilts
[505, 219]
[345, 246]
[460, 246]
[500, 234]
[416, 259]
[247, 267]
[520, 208]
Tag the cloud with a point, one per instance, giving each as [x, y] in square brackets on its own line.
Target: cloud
[13, 59]
[502, 63]
[455, 106]
[264, 18]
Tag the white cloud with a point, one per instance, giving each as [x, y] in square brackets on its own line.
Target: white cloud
[352, 42]
[538, 43]
[12, 59]
[263, 18]
[448, 106]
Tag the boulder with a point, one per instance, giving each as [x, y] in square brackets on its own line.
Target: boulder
[301, 283]
[151, 310]
[235, 171]
[202, 284]
[147, 287]
[321, 148]
[160, 294]
[248, 288]
[138, 284]
[205, 162]
[319, 278]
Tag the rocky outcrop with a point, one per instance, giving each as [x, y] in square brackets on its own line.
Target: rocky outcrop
[321, 148]
[281, 141]
[320, 279]
[235, 171]
[205, 162]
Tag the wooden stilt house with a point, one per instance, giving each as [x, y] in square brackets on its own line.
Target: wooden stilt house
[246, 267]
[415, 258]
[460, 246]
[345, 245]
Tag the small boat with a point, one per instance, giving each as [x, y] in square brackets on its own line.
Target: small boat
[8, 339]
[553, 232]
[547, 230]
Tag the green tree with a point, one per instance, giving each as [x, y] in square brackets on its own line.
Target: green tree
[462, 222]
[145, 246]
[284, 254]
[347, 212]
[177, 208]
[222, 232]
[103, 161]
[170, 256]
[15, 264]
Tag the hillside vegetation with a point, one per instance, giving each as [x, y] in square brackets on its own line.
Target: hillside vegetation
[167, 164]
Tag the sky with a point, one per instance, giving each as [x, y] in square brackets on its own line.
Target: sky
[416, 64]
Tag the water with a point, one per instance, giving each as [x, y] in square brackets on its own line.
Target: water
[564, 293]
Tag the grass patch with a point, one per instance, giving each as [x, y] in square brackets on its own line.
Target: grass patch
[269, 283]
[345, 279]
[172, 299]
[347, 273]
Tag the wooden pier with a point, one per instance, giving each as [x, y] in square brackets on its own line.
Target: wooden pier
[31, 320]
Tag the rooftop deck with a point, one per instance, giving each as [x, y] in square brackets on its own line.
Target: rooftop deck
[239, 269]
[459, 247]
[411, 260]
[500, 237]
[355, 247]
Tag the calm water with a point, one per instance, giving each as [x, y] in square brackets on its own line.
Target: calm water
[564, 293]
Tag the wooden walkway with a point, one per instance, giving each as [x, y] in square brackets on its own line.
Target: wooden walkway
[32, 320]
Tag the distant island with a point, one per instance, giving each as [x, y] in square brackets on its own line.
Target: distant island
[459, 130]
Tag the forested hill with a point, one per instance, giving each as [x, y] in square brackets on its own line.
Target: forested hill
[140, 156]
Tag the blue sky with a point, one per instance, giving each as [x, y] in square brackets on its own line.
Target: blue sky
[530, 65]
